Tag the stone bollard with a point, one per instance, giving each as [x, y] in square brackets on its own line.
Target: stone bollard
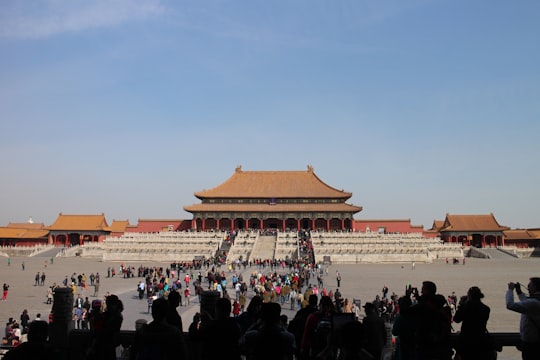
[62, 322]
[208, 302]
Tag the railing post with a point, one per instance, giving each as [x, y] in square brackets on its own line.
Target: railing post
[62, 322]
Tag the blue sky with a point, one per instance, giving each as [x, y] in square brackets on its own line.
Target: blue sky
[419, 108]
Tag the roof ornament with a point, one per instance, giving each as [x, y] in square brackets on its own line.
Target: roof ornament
[238, 168]
[310, 168]
[30, 220]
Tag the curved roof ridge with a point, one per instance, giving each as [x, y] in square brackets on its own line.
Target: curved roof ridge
[273, 184]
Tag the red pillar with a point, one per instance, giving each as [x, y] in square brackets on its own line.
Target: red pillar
[342, 224]
[261, 223]
[327, 225]
[298, 225]
[312, 224]
[283, 225]
[217, 224]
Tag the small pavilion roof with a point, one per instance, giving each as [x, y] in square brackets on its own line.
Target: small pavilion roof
[471, 223]
[437, 224]
[119, 226]
[519, 234]
[22, 233]
[80, 223]
[26, 225]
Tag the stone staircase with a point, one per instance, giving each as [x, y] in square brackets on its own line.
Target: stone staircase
[264, 248]
[494, 253]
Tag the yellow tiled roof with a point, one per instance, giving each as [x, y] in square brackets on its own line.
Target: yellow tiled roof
[18, 233]
[471, 223]
[273, 184]
[119, 225]
[339, 207]
[535, 232]
[80, 223]
[437, 224]
[519, 234]
[26, 225]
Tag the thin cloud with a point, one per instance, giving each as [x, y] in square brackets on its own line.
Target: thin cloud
[42, 19]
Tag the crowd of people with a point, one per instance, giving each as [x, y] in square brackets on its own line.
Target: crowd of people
[325, 325]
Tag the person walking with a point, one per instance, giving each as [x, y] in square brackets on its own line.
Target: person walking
[5, 292]
[529, 308]
[96, 289]
[187, 295]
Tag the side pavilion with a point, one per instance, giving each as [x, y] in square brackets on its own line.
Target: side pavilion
[69, 230]
[282, 200]
[472, 230]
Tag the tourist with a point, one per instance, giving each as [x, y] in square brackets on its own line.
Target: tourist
[49, 294]
[36, 347]
[236, 308]
[474, 341]
[403, 328]
[78, 302]
[347, 306]
[96, 289]
[374, 331]
[187, 295]
[141, 288]
[173, 318]
[317, 330]
[107, 337]
[270, 331]
[159, 339]
[432, 317]
[251, 315]
[352, 343]
[77, 317]
[25, 321]
[338, 301]
[5, 289]
[355, 309]
[220, 336]
[529, 308]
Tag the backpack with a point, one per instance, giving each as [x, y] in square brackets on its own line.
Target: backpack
[321, 335]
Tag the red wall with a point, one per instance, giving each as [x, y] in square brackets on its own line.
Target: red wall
[391, 226]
